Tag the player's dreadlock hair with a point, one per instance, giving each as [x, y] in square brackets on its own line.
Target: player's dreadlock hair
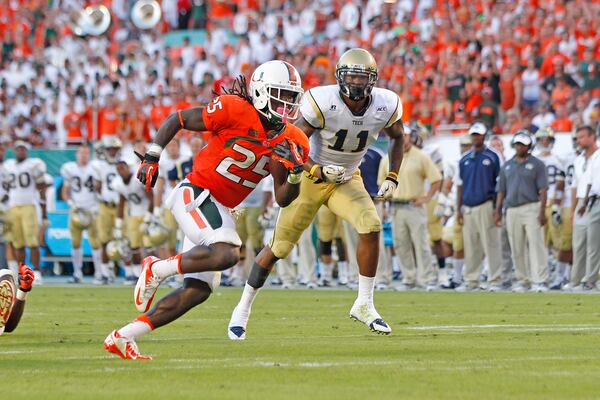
[238, 88]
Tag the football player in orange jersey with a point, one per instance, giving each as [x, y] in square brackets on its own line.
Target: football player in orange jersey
[251, 137]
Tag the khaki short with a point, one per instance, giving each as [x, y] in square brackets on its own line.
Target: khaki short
[559, 237]
[77, 233]
[453, 234]
[329, 225]
[24, 226]
[434, 223]
[134, 234]
[249, 228]
[349, 201]
[105, 223]
[171, 224]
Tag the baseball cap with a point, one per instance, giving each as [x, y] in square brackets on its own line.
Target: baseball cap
[22, 143]
[478, 128]
[523, 138]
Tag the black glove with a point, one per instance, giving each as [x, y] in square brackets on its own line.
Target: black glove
[290, 155]
[148, 171]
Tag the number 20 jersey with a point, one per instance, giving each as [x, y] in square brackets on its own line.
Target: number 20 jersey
[21, 180]
[236, 157]
[343, 138]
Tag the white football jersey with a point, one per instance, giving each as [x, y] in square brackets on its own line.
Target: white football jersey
[135, 194]
[568, 163]
[3, 188]
[555, 170]
[342, 138]
[106, 173]
[82, 184]
[21, 180]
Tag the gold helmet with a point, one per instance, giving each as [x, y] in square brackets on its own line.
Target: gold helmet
[118, 250]
[157, 233]
[543, 133]
[356, 74]
[418, 133]
[81, 218]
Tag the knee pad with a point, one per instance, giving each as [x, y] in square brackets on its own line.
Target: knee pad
[368, 221]
[325, 248]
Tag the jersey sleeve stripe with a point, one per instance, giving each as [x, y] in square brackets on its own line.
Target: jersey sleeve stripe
[395, 114]
[317, 110]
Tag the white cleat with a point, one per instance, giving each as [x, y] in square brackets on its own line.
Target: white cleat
[146, 286]
[236, 330]
[365, 313]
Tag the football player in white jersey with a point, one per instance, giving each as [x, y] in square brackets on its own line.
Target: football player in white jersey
[554, 231]
[139, 215]
[106, 170]
[26, 190]
[341, 121]
[79, 191]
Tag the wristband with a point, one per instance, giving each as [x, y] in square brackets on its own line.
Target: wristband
[21, 295]
[154, 150]
[313, 169]
[394, 174]
[294, 179]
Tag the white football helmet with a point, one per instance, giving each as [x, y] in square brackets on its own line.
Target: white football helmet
[268, 82]
[118, 250]
[109, 143]
[157, 233]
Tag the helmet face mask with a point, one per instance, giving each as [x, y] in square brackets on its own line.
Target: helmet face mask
[276, 91]
[356, 74]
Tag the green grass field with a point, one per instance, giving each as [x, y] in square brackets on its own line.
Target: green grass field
[301, 344]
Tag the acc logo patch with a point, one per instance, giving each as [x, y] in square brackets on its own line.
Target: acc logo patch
[529, 166]
[486, 162]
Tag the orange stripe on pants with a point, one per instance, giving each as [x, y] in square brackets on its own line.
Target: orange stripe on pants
[187, 198]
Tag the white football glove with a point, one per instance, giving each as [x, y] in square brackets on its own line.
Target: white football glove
[387, 189]
[333, 173]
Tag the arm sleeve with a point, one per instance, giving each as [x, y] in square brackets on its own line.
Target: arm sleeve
[311, 112]
[541, 180]
[397, 113]
[431, 171]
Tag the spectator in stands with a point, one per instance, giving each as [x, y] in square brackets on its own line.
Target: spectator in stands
[562, 123]
[531, 85]
[489, 109]
[543, 118]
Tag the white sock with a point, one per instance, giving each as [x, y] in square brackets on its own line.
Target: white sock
[366, 285]
[104, 270]
[343, 271]
[395, 264]
[169, 267]
[326, 271]
[561, 269]
[242, 310]
[14, 267]
[567, 275]
[136, 270]
[97, 260]
[458, 269]
[77, 258]
[137, 328]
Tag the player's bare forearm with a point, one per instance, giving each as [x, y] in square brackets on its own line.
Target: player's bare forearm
[307, 128]
[191, 119]
[150, 197]
[435, 187]
[458, 198]
[396, 134]
[158, 190]
[42, 191]
[543, 199]
[121, 207]
[15, 316]
[285, 192]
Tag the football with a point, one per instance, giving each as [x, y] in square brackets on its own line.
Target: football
[7, 296]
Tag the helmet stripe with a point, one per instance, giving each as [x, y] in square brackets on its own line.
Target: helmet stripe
[290, 70]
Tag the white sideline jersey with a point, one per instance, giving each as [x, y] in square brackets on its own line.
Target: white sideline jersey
[555, 170]
[568, 162]
[343, 138]
[135, 194]
[82, 184]
[106, 173]
[21, 179]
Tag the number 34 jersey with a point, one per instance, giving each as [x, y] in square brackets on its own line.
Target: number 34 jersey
[343, 138]
[82, 184]
[236, 157]
[21, 179]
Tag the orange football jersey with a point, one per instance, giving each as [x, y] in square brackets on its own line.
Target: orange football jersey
[238, 151]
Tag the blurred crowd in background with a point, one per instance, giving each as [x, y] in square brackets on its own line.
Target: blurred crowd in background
[519, 64]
